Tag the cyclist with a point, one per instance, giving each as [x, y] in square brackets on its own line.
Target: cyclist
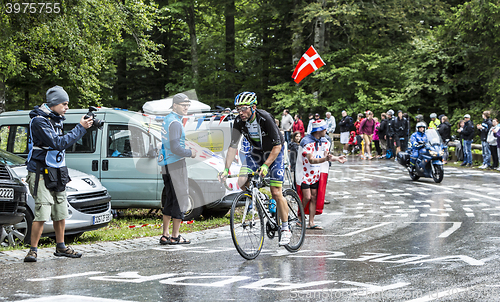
[265, 155]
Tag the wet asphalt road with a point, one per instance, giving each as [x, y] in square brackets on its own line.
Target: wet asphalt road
[385, 238]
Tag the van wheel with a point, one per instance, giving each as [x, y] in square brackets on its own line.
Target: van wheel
[17, 234]
[191, 213]
[207, 214]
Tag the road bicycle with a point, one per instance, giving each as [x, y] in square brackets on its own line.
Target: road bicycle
[250, 216]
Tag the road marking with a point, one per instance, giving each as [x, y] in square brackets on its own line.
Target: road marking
[439, 295]
[361, 289]
[448, 232]
[360, 231]
[66, 276]
[226, 280]
[70, 298]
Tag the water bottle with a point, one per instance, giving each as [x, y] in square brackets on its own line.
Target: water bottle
[272, 206]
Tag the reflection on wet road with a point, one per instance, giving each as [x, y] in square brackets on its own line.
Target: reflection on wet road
[385, 238]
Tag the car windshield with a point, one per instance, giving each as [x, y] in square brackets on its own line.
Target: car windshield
[433, 137]
[11, 159]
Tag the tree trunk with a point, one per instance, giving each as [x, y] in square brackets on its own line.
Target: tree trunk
[319, 31]
[121, 79]
[191, 21]
[26, 99]
[2, 96]
[297, 46]
[229, 12]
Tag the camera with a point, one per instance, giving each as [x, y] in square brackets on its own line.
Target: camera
[97, 122]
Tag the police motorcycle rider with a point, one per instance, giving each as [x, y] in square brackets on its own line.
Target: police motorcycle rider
[417, 141]
[265, 155]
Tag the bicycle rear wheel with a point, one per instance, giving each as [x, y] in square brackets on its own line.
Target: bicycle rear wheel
[247, 226]
[296, 220]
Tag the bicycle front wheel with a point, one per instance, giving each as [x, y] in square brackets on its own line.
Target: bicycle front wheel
[247, 226]
[296, 220]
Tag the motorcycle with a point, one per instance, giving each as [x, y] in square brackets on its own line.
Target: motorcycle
[430, 159]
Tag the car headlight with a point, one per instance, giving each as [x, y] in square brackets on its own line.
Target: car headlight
[70, 189]
[433, 153]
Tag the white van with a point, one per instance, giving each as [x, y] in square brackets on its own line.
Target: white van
[123, 157]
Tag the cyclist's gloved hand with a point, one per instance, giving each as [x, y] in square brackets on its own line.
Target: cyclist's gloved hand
[223, 175]
[263, 170]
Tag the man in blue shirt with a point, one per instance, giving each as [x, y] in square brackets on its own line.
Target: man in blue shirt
[174, 172]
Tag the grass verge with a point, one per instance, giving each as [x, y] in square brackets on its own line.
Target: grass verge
[131, 223]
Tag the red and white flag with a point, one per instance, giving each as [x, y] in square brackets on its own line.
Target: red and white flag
[309, 63]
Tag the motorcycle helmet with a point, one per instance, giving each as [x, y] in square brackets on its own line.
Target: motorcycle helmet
[433, 115]
[420, 124]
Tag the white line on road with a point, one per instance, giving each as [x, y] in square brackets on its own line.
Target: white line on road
[65, 276]
[434, 296]
[448, 232]
[358, 231]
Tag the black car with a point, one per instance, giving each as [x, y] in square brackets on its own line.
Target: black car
[13, 194]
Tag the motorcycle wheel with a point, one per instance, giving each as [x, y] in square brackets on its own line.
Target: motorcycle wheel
[412, 173]
[437, 173]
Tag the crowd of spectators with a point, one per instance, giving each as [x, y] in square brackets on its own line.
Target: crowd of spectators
[389, 135]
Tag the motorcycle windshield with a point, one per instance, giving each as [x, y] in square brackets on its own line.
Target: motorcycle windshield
[433, 137]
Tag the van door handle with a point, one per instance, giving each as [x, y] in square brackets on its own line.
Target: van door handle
[105, 165]
[95, 165]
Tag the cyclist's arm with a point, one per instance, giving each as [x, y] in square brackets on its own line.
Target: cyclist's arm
[233, 145]
[275, 151]
[231, 154]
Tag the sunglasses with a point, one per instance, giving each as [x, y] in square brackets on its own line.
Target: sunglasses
[184, 105]
[243, 108]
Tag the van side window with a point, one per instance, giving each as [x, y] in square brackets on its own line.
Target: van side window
[127, 141]
[14, 139]
[86, 144]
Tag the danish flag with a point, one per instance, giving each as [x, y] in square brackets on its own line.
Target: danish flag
[309, 63]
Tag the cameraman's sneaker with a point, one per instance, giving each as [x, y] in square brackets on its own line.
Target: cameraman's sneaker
[31, 257]
[67, 252]
[286, 235]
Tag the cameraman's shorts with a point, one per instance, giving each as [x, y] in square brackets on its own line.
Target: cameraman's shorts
[256, 158]
[48, 204]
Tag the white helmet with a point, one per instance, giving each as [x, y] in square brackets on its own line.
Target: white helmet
[433, 115]
[421, 124]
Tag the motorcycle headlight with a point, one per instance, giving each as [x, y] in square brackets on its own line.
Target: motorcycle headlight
[433, 153]
[441, 153]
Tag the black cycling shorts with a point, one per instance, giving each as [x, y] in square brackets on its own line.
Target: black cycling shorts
[313, 186]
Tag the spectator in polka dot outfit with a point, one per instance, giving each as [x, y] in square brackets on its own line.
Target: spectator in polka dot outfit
[313, 152]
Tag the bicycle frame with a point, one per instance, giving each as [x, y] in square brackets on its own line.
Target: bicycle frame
[257, 201]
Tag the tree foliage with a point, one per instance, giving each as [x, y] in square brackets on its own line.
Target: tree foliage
[420, 56]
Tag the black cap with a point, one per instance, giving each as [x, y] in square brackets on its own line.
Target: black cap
[179, 98]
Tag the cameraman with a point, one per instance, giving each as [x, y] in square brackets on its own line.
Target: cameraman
[47, 171]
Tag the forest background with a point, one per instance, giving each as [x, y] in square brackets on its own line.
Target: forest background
[420, 56]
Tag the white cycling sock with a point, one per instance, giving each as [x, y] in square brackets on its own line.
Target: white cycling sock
[284, 226]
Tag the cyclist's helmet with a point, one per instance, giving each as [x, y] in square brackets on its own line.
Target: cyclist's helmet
[420, 125]
[245, 98]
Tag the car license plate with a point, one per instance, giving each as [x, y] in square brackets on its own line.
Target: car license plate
[6, 193]
[98, 219]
